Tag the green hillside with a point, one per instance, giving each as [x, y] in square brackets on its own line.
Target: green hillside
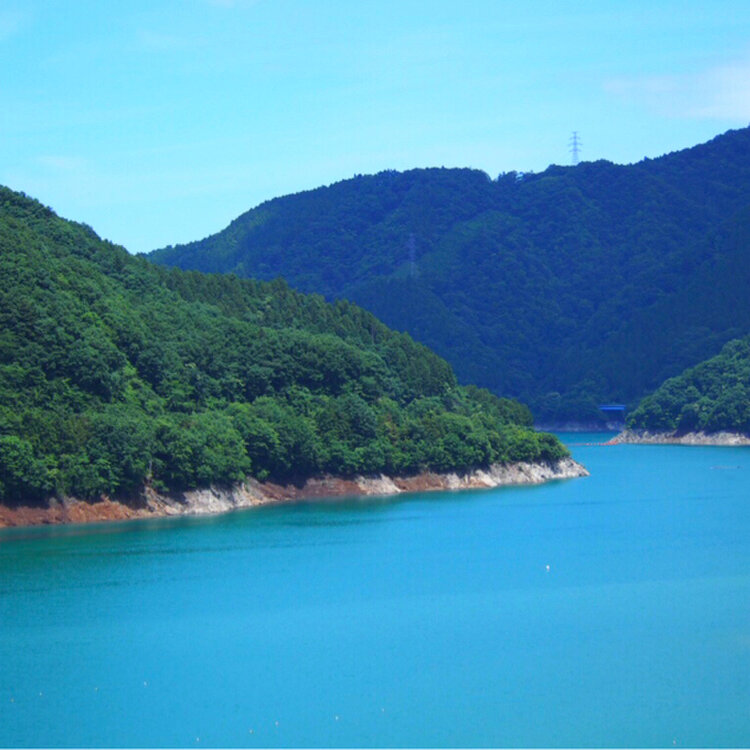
[710, 397]
[564, 288]
[115, 372]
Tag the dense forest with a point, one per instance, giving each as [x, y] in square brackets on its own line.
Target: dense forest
[565, 288]
[713, 396]
[115, 372]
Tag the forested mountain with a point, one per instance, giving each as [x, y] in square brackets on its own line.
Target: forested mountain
[565, 288]
[115, 372]
[713, 396]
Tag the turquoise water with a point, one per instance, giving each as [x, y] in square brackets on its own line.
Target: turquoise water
[413, 621]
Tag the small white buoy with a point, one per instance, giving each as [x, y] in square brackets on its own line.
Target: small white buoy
[337, 718]
[546, 567]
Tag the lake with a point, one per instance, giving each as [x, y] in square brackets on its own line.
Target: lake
[608, 611]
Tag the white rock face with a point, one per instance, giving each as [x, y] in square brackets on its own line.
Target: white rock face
[381, 485]
[689, 438]
[203, 502]
[215, 500]
[525, 473]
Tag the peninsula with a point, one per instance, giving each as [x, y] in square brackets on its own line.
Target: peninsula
[129, 389]
[708, 404]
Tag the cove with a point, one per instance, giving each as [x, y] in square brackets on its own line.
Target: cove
[606, 611]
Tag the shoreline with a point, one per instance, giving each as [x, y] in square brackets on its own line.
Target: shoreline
[252, 493]
[644, 437]
[573, 426]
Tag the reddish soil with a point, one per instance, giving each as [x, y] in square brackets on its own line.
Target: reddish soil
[72, 511]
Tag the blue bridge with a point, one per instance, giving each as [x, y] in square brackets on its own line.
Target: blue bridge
[613, 408]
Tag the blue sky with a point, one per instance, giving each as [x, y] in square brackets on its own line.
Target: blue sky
[159, 122]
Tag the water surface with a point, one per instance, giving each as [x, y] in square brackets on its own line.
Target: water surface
[609, 611]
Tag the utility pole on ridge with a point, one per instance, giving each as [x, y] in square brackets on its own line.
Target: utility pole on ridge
[574, 147]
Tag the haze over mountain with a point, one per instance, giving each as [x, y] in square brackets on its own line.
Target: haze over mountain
[565, 288]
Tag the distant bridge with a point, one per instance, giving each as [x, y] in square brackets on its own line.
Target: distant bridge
[613, 408]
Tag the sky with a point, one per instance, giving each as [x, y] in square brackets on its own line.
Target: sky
[158, 122]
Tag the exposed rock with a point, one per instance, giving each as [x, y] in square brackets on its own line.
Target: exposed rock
[213, 500]
[688, 438]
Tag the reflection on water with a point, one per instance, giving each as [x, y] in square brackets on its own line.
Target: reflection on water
[607, 611]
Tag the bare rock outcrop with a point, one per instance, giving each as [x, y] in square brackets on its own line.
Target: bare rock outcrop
[252, 493]
[687, 438]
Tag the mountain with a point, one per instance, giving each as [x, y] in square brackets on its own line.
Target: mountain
[115, 373]
[566, 288]
[713, 396]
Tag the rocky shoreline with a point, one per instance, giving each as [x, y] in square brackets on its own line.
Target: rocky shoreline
[572, 426]
[688, 438]
[213, 500]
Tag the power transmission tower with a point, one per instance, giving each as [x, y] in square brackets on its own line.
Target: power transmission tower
[574, 147]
